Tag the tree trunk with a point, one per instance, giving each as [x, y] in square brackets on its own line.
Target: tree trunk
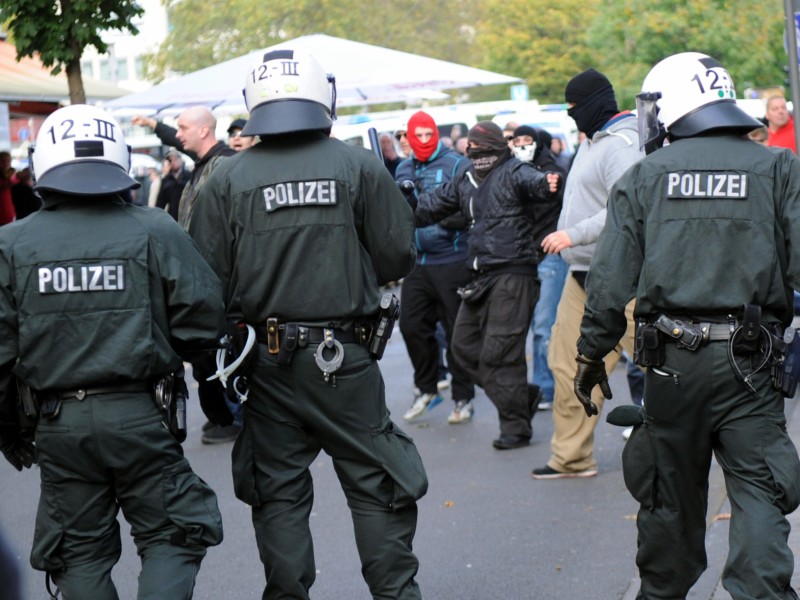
[77, 95]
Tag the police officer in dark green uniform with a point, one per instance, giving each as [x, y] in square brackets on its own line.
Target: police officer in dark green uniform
[99, 299]
[303, 229]
[703, 233]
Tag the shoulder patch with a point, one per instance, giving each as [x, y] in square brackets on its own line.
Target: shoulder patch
[714, 185]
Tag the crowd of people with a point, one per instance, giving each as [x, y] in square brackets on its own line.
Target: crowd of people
[494, 236]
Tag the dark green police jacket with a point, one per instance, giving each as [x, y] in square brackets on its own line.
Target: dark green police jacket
[95, 291]
[699, 228]
[304, 228]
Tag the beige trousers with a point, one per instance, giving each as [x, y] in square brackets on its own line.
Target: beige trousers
[572, 445]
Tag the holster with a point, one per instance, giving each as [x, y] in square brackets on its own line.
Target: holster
[785, 370]
[648, 349]
[170, 395]
[27, 400]
[390, 310]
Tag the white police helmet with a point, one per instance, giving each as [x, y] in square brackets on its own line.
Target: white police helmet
[80, 150]
[686, 94]
[286, 91]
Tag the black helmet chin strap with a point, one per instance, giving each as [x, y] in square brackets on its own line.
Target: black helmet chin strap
[332, 81]
[31, 150]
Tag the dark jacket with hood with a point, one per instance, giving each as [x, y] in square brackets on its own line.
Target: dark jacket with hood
[444, 242]
[502, 236]
[545, 214]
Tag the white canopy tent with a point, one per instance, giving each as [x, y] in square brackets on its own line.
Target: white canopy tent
[364, 74]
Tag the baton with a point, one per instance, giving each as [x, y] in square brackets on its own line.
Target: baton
[375, 143]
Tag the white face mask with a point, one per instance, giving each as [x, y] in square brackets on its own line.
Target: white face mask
[525, 153]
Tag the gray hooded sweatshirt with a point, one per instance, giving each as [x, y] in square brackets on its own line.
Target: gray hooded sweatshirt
[597, 166]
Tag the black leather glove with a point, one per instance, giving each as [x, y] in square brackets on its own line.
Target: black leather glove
[16, 447]
[589, 374]
[408, 188]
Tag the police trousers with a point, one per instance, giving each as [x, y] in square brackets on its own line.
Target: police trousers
[696, 407]
[103, 453]
[489, 340]
[291, 415]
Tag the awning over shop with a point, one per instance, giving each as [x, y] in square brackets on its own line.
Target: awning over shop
[29, 88]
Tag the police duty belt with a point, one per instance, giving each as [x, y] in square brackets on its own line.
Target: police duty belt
[283, 339]
[692, 335]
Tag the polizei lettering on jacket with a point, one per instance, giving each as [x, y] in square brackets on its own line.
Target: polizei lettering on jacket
[300, 193]
[81, 278]
[703, 184]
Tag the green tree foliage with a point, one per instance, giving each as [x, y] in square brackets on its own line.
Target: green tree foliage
[542, 42]
[205, 32]
[629, 39]
[58, 32]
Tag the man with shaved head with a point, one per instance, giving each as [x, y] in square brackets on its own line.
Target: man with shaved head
[196, 131]
[195, 137]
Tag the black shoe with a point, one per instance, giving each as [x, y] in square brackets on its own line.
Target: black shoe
[208, 425]
[534, 398]
[547, 472]
[221, 434]
[509, 442]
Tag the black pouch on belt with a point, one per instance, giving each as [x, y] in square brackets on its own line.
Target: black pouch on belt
[648, 350]
[750, 322]
[685, 334]
[49, 406]
[288, 344]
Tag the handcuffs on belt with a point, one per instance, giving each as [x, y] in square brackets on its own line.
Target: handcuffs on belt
[328, 367]
[282, 340]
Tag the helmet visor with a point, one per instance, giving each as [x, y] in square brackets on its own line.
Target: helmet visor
[647, 112]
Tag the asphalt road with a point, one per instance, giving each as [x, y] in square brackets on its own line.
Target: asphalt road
[486, 530]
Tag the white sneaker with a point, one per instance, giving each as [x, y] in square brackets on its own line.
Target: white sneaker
[422, 404]
[626, 433]
[546, 405]
[462, 413]
[443, 384]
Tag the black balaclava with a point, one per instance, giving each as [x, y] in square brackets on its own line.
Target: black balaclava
[534, 134]
[544, 138]
[494, 148]
[594, 100]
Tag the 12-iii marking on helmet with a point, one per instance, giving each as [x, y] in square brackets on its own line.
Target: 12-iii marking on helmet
[85, 278]
[717, 79]
[688, 184]
[80, 149]
[267, 70]
[104, 130]
[299, 193]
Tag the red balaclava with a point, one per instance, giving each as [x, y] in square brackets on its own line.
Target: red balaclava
[422, 151]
